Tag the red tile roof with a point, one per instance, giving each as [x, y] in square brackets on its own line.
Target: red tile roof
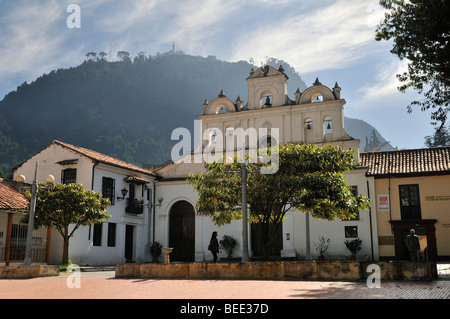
[411, 161]
[10, 198]
[104, 158]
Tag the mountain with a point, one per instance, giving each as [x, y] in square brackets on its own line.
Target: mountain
[126, 109]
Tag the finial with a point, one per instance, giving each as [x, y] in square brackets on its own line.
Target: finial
[222, 94]
[317, 82]
[281, 69]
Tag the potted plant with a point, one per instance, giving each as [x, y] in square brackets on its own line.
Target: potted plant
[155, 251]
[322, 247]
[228, 243]
[354, 246]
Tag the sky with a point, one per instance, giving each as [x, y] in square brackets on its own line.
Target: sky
[333, 40]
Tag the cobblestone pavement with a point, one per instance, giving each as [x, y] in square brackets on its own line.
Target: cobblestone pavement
[103, 285]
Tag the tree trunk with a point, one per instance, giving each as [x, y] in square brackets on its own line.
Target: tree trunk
[66, 247]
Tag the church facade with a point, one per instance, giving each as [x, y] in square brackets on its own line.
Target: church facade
[314, 116]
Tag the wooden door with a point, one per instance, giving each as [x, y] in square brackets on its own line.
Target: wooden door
[129, 235]
[182, 232]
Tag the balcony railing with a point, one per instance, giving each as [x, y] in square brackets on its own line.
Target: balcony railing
[133, 207]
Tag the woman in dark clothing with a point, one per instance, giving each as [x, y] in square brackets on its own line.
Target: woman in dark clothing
[214, 244]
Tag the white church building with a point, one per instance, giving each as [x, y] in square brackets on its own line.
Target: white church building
[315, 116]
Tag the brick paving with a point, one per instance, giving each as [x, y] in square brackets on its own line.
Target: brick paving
[103, 285]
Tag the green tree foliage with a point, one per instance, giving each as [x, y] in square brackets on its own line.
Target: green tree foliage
[309, 179]
[420, 30]
[60, 206]
[439, 138]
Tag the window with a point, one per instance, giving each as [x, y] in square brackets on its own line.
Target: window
[112, 234]
[351, 231]
[409, 201]
[69, 176]
[214, 136]
[97, 234]
[328, 125]
[308, 124]
[317, 98]
[108, 188]
[222, 110]
[266, 101]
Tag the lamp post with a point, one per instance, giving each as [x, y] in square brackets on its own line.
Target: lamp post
[34, 187]
[245, 257]
[27, 259]
[244, 173]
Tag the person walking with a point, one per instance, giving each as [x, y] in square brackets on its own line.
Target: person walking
[413, 245]
[214, 246]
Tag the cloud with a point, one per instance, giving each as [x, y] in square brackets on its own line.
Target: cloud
[32, 39]
[329, 37]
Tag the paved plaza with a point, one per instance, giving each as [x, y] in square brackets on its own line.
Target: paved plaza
[102, 284]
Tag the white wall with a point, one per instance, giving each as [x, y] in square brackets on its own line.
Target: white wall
[81, 249]
[293, 224]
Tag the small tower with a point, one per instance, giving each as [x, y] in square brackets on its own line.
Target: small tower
[337, 91]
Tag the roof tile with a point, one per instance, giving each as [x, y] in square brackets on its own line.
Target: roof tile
[410, 161]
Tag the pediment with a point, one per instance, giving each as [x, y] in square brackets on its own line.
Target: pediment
[266, 71]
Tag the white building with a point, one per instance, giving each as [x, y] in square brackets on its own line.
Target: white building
[316, 116]
[127, 234]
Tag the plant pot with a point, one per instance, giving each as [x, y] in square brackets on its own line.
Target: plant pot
[321, 258]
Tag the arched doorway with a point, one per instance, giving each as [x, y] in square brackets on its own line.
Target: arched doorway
[182, 231]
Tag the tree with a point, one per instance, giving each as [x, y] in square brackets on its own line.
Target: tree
[439, 138]
[60, 206]
[420, 30]
[309, 179]
[102, 55]
[124, 56]
[90, 55]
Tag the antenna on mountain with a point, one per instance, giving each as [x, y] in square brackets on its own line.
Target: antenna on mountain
[173, 48]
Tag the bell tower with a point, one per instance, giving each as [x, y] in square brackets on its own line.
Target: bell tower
[267, 87]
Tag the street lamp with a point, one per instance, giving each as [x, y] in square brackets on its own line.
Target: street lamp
[244, 173]
[34, 186]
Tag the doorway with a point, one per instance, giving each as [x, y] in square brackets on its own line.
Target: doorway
[129, 243]
[275, 241]
[425, 230]
[182, 232]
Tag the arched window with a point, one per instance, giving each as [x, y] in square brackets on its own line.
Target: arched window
[267, 141]
[328, 125]
[266, 100]
[316, 98]
[221, 110]
[213, 136]
[308, 124]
